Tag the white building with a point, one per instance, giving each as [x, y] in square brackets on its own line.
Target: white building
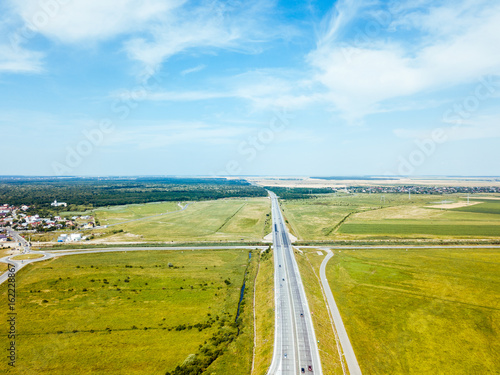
[58, 204]
[73, 237]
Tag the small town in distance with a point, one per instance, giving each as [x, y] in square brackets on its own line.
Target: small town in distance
[250, 188]
[281, 256]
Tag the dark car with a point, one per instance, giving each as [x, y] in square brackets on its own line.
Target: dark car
[302, 370]
[310, 368]
[302, 315]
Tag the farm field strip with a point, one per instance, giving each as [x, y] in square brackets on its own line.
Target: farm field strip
[221, 220]
[375, 216]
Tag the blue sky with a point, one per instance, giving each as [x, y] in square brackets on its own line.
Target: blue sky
[174, 87]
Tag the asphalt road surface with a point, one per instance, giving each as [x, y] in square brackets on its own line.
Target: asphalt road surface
[295, 345]
[350, 357]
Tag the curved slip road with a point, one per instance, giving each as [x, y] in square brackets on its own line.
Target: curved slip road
[350, 357]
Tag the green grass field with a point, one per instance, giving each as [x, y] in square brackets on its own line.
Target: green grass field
[125, 312]
[264, 315]
[117, 214]
[487, 207]
[420, 311]
[368, 216]
[220, 220]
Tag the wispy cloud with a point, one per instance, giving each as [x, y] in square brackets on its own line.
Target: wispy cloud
[214, 25]
[195, 69]
[179, 133]
[264, 89]
[485, 127]
[361, 72]
[151, 31]
[16, 59]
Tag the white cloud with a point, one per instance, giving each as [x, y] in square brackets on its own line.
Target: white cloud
[153, 30]
[214, 25]
[363, 75]
[264, 89]
[15, 59]
[78, 21]
[194, 69]
[14, 56]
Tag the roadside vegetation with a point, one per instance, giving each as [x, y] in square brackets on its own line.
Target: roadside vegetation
[138, 312]
[264, 314]
[420, 311]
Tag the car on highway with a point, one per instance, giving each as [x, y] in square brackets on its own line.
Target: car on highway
[302, 370]
[310, 368]
[301, 315]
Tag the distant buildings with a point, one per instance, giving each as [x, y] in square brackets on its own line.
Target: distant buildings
[73, 237]
[58, 204]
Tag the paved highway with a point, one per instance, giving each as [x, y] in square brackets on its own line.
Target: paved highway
[295, 345]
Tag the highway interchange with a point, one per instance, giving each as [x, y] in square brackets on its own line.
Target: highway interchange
[295, 345]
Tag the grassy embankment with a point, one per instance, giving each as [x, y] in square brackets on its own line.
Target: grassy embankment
[27, 256]
[433, 311]
[103, 313]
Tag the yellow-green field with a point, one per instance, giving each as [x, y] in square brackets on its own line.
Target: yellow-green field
[220, 220]
[117, 214]
[27, 256]
[420, 311]
[393, 216]
[129, 312]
